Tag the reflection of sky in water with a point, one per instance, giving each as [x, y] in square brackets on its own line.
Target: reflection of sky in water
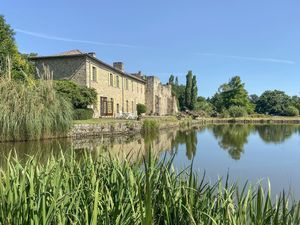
[247, 152]
[280, 162]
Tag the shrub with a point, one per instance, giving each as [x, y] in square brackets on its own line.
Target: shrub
[83, 114]
[237, 111]
[203, 105]
[32, 111]
[80, 97]
[291, 111]
[141, 108]
[225, 114]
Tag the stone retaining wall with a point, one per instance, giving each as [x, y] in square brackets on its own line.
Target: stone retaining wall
[133, 126]
[90, 130]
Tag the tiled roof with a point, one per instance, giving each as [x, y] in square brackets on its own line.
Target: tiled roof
[71, 52]
[76, 53]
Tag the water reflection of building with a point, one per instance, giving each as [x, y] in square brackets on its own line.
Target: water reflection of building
[134, 147]
[231, 137]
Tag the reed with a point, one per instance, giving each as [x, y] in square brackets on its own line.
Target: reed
[102, 190]
[32, 110]
[149, 126]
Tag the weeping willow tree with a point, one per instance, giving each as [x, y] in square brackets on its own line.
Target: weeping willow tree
[32, 110]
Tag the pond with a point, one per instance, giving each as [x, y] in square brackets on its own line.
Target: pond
[247, 152]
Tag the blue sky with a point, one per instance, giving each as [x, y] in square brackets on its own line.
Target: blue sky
[258, 40]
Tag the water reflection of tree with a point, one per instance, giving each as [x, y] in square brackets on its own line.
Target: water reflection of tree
[41, 149]
[187, 137]
[276, 133]
[232, 137]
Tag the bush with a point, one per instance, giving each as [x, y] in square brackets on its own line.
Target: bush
[225, 114]
[141, 108]
[32, 110]
[203, 105]
[237, 111]
[83, 114]
[291, 111]
[80, 97]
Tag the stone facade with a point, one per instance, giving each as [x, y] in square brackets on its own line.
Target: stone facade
[159, 99]
[118, 92]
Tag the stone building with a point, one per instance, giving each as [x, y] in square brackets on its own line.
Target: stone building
[159, 99]
[118, 92]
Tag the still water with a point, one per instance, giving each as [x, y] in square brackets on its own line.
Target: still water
[247, 152]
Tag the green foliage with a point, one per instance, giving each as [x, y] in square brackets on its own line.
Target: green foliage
[218, 102]
[225, 114]
[150, 126]
[273, 103]
[11, 61]
[186, 94]
[176, 81]
[188, 89]
[103, 190]
[232, 138]
[194, 93]
[295, 101]
[141, 108]
[80, 97]
[171, 79]
[32, 112]
[179, 92]
[83, 114]
[233, 93]
[277, 133]
[254, 99]
[237, 111]
[203, 105]
[291, 111]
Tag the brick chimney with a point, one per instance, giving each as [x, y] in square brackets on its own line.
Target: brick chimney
[119, 66]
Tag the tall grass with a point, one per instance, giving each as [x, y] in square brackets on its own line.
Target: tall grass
[32, 111]
[102, 190]
[149, 126]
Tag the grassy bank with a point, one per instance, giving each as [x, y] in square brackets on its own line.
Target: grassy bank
[102, 190]
[173, 119]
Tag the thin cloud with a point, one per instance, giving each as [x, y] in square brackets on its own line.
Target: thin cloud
[272, 60]
[50, 37]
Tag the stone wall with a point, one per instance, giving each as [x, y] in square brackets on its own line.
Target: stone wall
[123, 146]
[159, 99]
[90, 130]
[125, 91]
[64, 68]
